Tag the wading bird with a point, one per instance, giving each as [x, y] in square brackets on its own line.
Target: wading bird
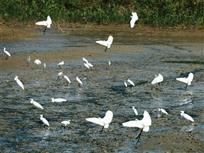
[131, 82]
[44, 120]
[37, 62]
[158, 79]
[134, 110]
[186, 116]
[19, 82]
[6, 53]
[58, 100]
[143, 124]
[134, 18]
[104, 122]
[163, 111]
[106, 43]
[186, 80]
[80, 83]
[36, 104]
[65, 123]
[60, 64]
[67, 79]
[46, 23]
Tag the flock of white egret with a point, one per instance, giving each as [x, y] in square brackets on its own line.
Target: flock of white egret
[143, 124]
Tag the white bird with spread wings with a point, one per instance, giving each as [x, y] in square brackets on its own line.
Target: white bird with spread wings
[106, 43]
[134, 18]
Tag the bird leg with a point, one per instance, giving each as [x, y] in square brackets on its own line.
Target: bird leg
[44, 30]
[106, 49]
[138, 136]
[186, 86]
[102, 129]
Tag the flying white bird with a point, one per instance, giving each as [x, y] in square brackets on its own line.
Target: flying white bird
[36, 104]
[186, 80]
[37, 62]
[46, 23]
[19, 82]
[158, 78]
[79, 81]
[65, 123]
[106, 43]
[44, 120]
[163, 111]
[58, 100]
[60, 64]
[131, 82]
[134, 18]
[143, 124]
[186, 116]
[135, 110]
[67, 79]
[104, 122]
[7, 53]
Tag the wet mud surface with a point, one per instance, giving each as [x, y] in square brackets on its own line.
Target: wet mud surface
[137, 58]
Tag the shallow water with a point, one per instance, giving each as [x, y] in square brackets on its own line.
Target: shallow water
[22, 131]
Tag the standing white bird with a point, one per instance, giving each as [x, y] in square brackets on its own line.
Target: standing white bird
[44, 65]
[46, 23]
[105, 121]
[86, 65]
[19, 82]
[106, 43]
[60, 64]
[36, 104]
[67, 79]
[65, 123]
[59, 75]
[44, 120]
[163, 111]
[28, 60]
[186, 116]
[37, 62]
[58, 100]
[85, 60]
[186, 80]
[109, 63]
[125, 84]
[80, 83]
[134, 110]
[134, 18]
[143, 124]
[7, 53]
[158, 78]
[131, 82]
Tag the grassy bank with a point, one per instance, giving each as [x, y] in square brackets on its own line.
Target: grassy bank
[154, 13]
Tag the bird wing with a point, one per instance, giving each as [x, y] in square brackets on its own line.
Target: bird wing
[44, 23]
[108, 117]
[146, 119]
[135, 123]
[146, 129]
[184, 80]
[98, 121]
[102, 42]
[49, 22]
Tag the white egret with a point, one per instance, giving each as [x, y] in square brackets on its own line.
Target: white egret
[186, 80]
[86, 65]
[36, 104]
[109, 63]
[7, 53]
[143, 124]
[106, 43]
[125, 84]
[163, 111]
[65, 123]
[67, 79]
[46, 23]
[158, 79]
[85, 60]
[28, 60]
[58, 100]
[37, 62]
[134, 110]
[60, 64]
[44, 120]
[60, 74]
[44, 65]
[19, 82]
[134, 18]
[80, 83]
[131, 82]
[104, 122]
[186, 116]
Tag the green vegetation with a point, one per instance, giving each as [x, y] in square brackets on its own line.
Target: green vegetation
[150, 12]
